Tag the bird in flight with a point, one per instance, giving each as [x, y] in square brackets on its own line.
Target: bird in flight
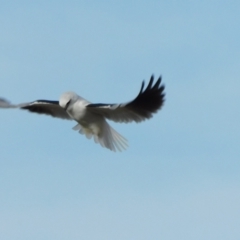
[91, 117]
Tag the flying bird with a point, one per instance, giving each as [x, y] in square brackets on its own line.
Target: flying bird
[91, 117]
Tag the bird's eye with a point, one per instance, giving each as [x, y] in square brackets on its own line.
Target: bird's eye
[67, 104]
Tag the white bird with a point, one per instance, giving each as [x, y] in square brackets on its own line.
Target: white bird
[91, 118]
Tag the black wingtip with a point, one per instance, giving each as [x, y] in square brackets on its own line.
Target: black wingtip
[150, 83]
[157, 84]
[150, 99]
[142, 87]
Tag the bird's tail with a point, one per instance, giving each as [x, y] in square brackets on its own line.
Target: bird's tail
[105, 135]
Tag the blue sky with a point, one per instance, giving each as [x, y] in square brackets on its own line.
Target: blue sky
[179, 178]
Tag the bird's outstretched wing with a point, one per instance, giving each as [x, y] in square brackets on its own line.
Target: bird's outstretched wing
[51, 108]
[147, 102]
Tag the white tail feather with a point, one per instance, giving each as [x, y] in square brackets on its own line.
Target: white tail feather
[105, 135]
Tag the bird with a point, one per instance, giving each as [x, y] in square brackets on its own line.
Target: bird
[92, 118]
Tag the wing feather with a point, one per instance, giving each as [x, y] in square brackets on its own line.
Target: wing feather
[147, 102]
[47, 107]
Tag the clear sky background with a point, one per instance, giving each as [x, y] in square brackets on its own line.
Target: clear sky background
[180, 176]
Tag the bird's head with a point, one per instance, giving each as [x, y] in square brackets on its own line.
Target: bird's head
[67, 99]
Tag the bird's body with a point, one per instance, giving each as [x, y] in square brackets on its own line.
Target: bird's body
[91, 118]
[76, 105]
[91, 123]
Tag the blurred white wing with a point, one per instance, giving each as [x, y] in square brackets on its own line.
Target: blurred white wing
[6, 104]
